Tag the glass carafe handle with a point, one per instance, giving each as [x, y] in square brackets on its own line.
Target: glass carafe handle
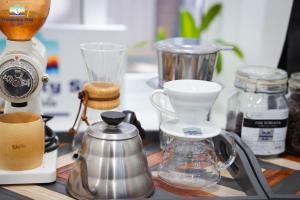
[232, 156]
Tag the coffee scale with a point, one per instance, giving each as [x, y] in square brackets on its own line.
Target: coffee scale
[22, 66]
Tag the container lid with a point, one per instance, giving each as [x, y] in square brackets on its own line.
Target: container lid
[185, 45]
[190, 132]
[112, 127]
[294, 81]
[261, 79]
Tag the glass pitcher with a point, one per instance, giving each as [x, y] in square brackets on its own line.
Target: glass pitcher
[191, 164]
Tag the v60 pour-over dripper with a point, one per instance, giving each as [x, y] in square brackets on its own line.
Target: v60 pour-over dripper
[191, 101]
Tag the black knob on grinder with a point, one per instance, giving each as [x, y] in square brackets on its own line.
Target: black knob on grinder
[113, 117]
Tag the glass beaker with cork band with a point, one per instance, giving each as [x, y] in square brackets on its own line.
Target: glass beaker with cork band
[105, 64]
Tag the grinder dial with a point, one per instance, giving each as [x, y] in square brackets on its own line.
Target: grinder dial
[18, 80]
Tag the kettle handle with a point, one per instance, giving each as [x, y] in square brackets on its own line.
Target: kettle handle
[84, 174]
[232, 156]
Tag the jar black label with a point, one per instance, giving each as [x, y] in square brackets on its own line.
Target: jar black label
[265, 123]
[265, 132]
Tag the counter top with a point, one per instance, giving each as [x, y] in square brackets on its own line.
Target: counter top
[282, 175]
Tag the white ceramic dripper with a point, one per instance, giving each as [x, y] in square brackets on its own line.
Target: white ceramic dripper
[191, 101]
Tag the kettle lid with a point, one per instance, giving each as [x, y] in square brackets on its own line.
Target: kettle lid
[112, 127]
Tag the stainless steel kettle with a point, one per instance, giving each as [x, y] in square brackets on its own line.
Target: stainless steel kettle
[111, 163]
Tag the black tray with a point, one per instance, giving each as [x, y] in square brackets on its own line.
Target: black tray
[286, 187]
[243, 177]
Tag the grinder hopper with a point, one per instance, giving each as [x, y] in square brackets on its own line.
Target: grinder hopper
[20, 20]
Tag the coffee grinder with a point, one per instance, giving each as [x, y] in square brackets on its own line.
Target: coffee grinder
[22, 66]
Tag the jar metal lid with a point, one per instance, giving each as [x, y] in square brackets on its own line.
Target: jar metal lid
[187, 46]
[261, 79]
[294, 81]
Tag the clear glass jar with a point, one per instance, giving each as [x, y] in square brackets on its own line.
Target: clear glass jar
[258, 111]
[293, 133]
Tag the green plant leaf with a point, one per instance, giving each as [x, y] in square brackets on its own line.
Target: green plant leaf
[209, 16]
[187, 25]
[141, 44]
[219, 64]
[236, 49]
[238, 52]
[198, 32]
[161, 34]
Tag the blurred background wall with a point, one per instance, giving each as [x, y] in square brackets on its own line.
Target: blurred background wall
[258, 27]
[139, 16]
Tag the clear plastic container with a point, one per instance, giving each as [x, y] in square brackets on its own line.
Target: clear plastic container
[258, 111]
